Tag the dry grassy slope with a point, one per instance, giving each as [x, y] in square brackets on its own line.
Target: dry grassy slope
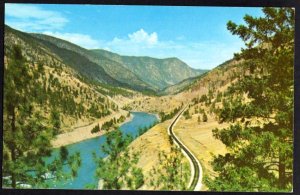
[197, 136]
[217, 79]
[154, 104]
[150, 144]
[66, 78]
[35, 54]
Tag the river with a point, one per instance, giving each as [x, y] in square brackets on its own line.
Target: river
[88, 167]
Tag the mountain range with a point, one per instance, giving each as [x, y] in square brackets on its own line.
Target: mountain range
[143, 74]
[158, 73]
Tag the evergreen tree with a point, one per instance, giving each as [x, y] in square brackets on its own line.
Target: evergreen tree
[55, 118]
[260, 142]
[26, 133]
[96, 129]
[171, 174]
[118, 170]
[203, 98]
[186, 114]
[204, 117]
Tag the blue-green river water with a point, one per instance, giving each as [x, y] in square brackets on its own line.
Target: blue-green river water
[87, 170]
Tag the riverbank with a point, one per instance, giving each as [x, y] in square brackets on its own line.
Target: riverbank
[91, 148]
[154, 113]
[83, 133]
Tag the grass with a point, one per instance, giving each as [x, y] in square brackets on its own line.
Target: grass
[199, 139]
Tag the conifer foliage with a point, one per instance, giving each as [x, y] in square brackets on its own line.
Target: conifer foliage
[119, 169]
[172, 172]
[260, 107]
[26, 132]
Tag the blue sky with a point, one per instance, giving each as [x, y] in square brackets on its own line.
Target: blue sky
[196, 35]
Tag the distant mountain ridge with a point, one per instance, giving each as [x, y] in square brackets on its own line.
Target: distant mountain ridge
[88, 63]
[159, 73]
[144, 74]
[216, 78]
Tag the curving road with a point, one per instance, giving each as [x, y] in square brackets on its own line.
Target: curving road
[196, 169]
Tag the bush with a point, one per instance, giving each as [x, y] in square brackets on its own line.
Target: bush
[96, 129]
[204, 117]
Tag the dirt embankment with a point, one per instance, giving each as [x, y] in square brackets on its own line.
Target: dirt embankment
[150, 144]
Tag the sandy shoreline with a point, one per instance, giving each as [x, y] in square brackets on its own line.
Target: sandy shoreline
[154, 113]
[83, 133]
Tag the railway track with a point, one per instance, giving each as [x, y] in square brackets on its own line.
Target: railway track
[196, 169]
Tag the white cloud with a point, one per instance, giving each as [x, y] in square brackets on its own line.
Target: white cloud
[203, 55]
[142, 36]
[32, 18]
[79, 39]
[135, 41]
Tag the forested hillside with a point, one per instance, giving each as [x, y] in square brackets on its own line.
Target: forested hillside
[57, 85]
[45, 96]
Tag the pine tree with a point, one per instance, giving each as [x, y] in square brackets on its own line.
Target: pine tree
[96, 129]
[118, 170]
[26, 133]
[55, 118]
[204, 117]
[260, 142]
[172, 173]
